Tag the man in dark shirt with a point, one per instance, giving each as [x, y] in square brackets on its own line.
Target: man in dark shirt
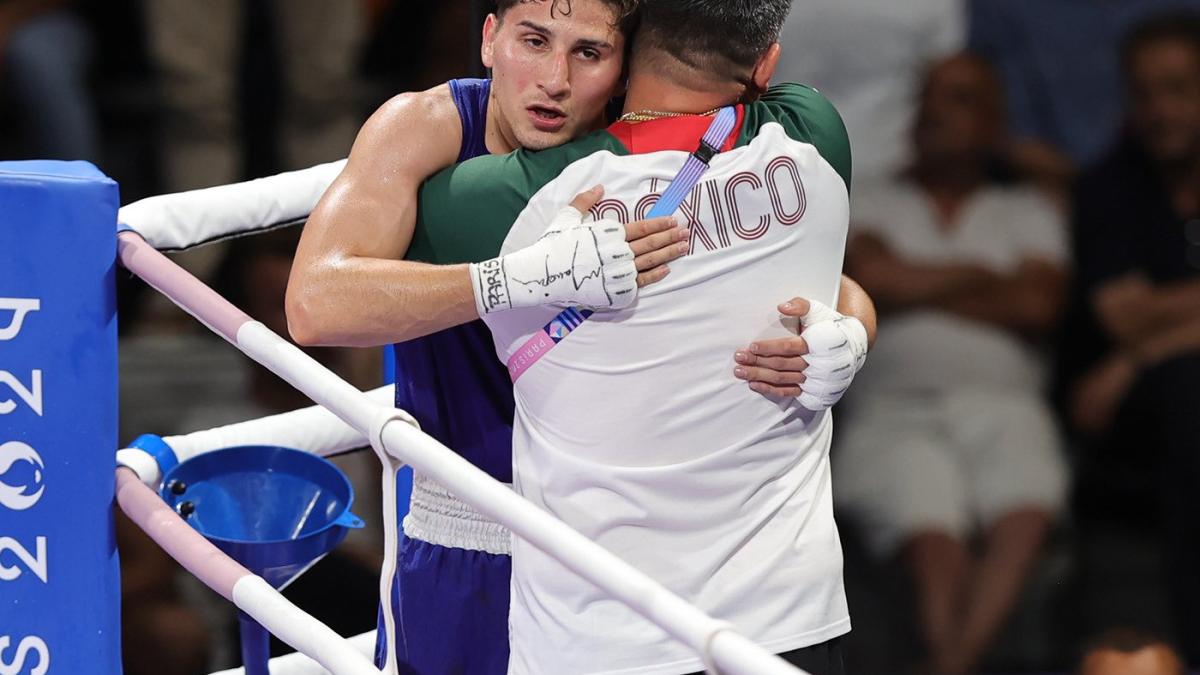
[1134, 361]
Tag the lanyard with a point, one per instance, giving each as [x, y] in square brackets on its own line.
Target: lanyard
[681, 186]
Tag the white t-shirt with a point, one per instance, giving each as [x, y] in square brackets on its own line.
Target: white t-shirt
[930, 350]
[634, 430]
[868, 57]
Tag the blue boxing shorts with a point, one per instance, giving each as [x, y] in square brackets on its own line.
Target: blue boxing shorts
[450, 598]
[451, 611]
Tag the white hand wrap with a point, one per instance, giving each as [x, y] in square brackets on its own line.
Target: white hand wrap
[575, 263]
[837, 349]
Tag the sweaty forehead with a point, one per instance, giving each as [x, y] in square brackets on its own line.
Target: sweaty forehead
[582, 19]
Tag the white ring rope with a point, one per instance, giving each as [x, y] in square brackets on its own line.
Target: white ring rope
[314, 430]
[182, 220]
[391, 525]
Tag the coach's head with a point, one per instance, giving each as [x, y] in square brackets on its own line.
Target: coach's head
[726, 46]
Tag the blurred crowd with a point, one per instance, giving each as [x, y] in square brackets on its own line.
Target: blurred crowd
[1016, 469]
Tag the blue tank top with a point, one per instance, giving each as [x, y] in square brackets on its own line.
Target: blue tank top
[451, 381]
[471, 99]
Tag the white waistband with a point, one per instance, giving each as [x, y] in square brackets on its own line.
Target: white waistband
[438, 517]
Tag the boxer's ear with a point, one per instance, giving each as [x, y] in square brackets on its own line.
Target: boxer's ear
[488, 48]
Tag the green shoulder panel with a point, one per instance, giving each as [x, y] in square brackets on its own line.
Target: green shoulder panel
[467, 210]
[807, 116]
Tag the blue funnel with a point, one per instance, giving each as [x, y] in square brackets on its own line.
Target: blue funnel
[274, 510]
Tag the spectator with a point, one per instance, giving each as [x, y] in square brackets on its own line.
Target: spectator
[1133, 355]
[44, 59]
[200, 50]
[868, 58]
[1058, 59]
[949, 435]
[197, 45]
[1130, 652]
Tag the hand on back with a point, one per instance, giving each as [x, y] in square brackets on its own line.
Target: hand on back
[597, 264]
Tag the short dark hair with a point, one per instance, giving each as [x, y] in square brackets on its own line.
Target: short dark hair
[723, 37]
[626, 11]
[1174, 26]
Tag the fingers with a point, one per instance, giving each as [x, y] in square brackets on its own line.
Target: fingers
[790, 346]
[818, 313]
[584, 201]
[655, 243]
[653, 276]
[794, 363]
[672, 250]
[779, 378]
[796, 307]
[659, 240]
[774, 367]
[771, 390]
[643, 228]
[816, 367]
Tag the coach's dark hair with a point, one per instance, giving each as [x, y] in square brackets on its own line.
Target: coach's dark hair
[1175, 26]
[626, 11]
[721, 37]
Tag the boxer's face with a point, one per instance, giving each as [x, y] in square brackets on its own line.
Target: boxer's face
[553, 72]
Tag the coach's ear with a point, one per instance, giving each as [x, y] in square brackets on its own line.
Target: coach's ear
[487, 50]
[764, 69]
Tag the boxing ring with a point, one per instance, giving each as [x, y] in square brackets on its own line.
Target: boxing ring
[59, 582]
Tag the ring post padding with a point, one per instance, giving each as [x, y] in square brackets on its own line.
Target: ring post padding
[59, 581]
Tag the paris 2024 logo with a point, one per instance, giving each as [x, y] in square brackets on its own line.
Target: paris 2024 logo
[21, 476]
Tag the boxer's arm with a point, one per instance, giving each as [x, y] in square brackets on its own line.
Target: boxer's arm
[854, 301]
[349, 286]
